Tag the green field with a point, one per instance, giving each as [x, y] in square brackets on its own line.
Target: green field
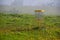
[25, 27]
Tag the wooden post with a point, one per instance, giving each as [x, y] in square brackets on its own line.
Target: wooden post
[39, 17]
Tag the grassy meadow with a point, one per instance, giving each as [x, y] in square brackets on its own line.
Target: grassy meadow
[26, 27]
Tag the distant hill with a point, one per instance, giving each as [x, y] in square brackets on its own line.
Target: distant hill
[29, 9]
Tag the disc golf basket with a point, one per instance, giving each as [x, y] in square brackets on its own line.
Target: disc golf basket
[39, 16]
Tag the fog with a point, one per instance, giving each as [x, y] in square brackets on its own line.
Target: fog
[51, 7]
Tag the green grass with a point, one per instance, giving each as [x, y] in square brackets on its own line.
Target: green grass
[25, 27]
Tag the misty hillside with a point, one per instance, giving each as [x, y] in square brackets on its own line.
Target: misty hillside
[28, 6]
[29, 9]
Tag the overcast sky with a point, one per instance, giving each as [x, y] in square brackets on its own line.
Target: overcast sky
[6, 2]
[29, 2]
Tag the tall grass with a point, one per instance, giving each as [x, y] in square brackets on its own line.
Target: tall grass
[25, 27]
